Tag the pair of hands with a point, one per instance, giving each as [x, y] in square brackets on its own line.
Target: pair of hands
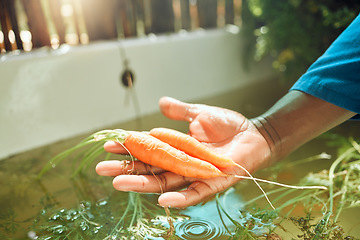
[226, 131]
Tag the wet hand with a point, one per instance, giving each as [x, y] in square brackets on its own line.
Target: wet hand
[225, 131]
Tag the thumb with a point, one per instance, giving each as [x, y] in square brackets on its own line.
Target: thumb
[178, 110]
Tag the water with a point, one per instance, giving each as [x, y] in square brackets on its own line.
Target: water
[88, 205]
[200, 229]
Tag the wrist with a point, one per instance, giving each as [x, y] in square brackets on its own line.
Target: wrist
[270, 135]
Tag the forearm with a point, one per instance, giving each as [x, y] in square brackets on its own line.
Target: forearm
[295, 119]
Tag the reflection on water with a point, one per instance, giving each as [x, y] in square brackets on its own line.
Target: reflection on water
[205, 220]
[231, 201]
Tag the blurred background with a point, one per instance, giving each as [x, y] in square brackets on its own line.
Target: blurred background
[294, 32]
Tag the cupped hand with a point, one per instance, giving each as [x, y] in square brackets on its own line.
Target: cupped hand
[223, 130]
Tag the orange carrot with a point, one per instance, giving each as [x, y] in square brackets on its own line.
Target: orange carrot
[192, 147]
[160, 154]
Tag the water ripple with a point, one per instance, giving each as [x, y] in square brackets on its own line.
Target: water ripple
[200, 229]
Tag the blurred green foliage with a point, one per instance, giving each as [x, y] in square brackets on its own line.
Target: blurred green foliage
[294, 32]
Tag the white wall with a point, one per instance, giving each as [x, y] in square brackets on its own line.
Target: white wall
[51, 95]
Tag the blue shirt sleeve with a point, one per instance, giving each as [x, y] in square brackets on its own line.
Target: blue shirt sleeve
[335, 76]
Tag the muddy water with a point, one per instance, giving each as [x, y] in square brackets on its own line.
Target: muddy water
[26, 201]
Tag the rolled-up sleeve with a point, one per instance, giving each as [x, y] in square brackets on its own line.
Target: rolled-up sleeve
[335, 76]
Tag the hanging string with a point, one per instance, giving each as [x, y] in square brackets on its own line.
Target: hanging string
[127, 78]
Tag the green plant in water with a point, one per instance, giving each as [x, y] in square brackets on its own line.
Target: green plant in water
[90, 148]
[9, 223]
[102, 220]
[251, 225]
[343, 181]
[319, 229]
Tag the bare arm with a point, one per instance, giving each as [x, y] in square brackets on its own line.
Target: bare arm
[295, 119]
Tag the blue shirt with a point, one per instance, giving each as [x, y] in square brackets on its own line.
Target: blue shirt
[335, 76]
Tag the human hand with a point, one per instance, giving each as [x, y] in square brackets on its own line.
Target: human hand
[225, 131]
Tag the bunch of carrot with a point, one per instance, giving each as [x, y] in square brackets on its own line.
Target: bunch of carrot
[180, 153]
[177, 152]
[170, 150]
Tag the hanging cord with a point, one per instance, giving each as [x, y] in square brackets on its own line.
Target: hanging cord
[127, 78]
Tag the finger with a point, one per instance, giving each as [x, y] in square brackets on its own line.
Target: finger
[114, 168]
[177, 110]
[196, 193]
[149, 183]
[115, 147]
